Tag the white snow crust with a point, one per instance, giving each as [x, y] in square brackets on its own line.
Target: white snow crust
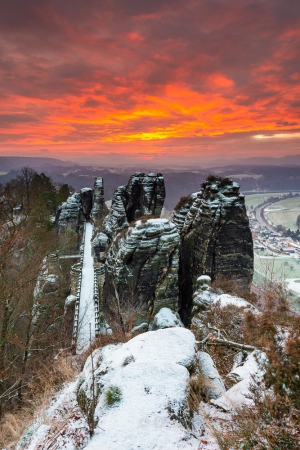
[252, 369]
[152, 373]
[165, 318]
[227, 299]
[86, 304]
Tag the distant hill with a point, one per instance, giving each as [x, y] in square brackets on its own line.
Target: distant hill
[289, 160]
[280, 177]
[8, 163]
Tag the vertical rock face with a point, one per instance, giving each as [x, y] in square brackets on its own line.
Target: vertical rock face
[86, 199]
[145, 195]
[142, 196]
[215, 238]
[99, 207]
[69, 214]
[80, 207]
[116, 220]
[141, 272]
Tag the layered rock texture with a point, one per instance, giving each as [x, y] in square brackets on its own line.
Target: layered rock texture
[69, 215]
[99, 209]
[81, 206]
[142, 272]
[142, 196]
[215, 238]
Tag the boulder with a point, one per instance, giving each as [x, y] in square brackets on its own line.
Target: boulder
[135, 395]
[141, 272]
[165, 318]
[212, 384]
[253, 365]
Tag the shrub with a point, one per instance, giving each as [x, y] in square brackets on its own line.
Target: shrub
[128, 360]
[113, 395]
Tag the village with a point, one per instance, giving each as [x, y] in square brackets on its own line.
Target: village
[269, 241]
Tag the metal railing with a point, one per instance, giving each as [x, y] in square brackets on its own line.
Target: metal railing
[77, 302]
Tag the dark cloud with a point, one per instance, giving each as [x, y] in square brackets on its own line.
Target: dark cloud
[8, 119]
[68, 59]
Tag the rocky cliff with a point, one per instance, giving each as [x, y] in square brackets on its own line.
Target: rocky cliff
[215, 238]
[99, 209]
[142, 196]
[81, 206]
[69, 215]
[141, 272]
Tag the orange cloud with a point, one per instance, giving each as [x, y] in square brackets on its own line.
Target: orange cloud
[161, 76]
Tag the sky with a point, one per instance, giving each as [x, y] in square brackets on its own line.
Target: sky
[170, 81]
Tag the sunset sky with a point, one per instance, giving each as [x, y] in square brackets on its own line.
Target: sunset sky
[152, 80]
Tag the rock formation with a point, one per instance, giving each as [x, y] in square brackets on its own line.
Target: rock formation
[142, 196]
[99, 209]
[145, 195]
[142, 272]
[134, 395]
[81, 206]
[213, 386]
[69, 215]
[215, 238]
[86, 200]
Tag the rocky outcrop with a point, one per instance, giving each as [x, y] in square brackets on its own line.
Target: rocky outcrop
[81, 206]
[99, 209]
[128, 396]
[142, 196]
[86, 200]
[69, 215]
[165, 318]
[47, 282]
[215, 238]
[141, 272]
[116, 220]
[181, 210]
[145, 195]
[212, 384]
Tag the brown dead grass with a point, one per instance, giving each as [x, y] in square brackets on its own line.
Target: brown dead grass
[39, 394]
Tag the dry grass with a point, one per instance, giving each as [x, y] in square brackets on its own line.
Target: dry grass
[274, 422]
[39, 394]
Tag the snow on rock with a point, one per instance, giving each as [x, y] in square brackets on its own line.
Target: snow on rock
[70, 300]
[215, 421]
[62, 424]
[165, 318]
[141, 272]
[216, 238]
[239, 395]
[86, 304]
[213, 383]
[203, 298]
[253, 365]
[149, 379]
[227, 299]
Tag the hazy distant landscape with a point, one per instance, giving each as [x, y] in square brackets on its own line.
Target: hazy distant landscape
[179, 181]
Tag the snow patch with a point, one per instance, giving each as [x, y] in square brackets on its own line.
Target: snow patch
[165, 318]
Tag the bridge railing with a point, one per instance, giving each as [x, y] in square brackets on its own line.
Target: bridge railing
[77, 302]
